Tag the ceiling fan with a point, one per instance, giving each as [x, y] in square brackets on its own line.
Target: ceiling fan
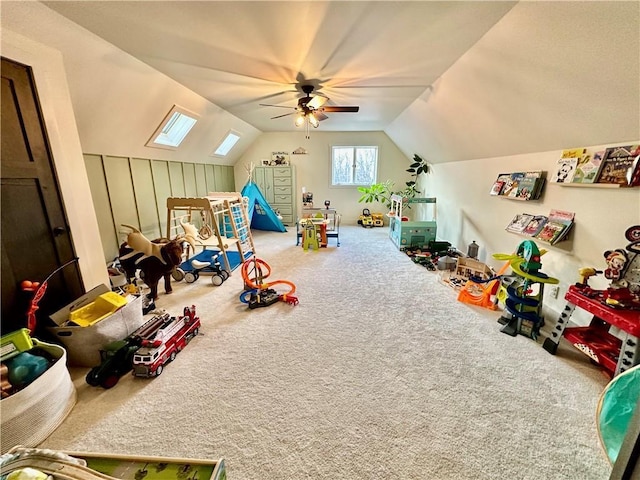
[311, 110]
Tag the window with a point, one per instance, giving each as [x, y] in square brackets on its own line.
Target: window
[171, 132]
[354, 165]
[230, 139]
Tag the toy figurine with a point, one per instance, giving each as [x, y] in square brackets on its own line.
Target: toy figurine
[616, 262]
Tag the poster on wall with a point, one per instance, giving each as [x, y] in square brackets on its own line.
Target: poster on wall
[280, 158]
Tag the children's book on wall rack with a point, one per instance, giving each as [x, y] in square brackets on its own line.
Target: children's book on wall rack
[519, 185]
[548, 229]
[613, 167]
[621, 166]
[567, 164]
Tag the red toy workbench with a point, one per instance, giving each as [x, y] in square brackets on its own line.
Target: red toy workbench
[614, 353]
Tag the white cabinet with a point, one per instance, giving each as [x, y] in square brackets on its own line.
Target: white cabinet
[277, 184]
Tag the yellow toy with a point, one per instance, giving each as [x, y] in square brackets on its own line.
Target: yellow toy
[310, 236]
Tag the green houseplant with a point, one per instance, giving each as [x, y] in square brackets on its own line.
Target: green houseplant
[382, 192]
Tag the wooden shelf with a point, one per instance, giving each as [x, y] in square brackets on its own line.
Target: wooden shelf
[590, 185]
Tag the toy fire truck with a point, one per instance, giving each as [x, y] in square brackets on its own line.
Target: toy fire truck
[117, 357]
[162, 347]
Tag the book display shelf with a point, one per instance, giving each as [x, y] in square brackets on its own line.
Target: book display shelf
[549, 229]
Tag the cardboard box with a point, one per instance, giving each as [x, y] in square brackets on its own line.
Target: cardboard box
[83, 344]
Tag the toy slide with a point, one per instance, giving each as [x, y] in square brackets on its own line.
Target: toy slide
[617, 405]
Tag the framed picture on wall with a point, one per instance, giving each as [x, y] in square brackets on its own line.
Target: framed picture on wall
[280, 158]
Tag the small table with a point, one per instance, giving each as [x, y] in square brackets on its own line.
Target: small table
[615, 354]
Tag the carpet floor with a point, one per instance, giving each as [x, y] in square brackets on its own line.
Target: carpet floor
[378, 373]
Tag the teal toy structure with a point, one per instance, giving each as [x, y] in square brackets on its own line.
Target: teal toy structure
[616, 407]
[524, 291]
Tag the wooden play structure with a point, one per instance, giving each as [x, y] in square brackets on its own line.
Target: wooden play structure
[219, 222]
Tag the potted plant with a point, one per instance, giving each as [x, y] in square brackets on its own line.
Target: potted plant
[382, 192]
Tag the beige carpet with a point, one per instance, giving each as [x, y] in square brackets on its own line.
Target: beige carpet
[378, 373]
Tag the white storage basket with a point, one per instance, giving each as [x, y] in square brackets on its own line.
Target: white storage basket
[32, 414]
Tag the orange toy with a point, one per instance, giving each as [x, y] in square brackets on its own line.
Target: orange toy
[256, 285]
[480, 294]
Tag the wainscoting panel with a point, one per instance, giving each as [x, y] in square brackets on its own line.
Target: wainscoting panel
[162, 187]
[145, 198]
[134, 191]
[101, 204]
[121, 195]
[177, 179]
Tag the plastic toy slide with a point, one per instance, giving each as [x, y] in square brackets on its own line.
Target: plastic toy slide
[615, 409]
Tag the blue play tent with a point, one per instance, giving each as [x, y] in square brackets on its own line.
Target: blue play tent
[261, 215]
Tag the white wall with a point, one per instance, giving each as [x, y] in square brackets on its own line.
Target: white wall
[313, 170]
[547, 76]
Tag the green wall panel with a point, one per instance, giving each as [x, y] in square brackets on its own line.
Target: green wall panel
[145, 198]
[189, 171]
[201, 181]
[160, 170]
[177, 179]
[134, 191]
[102, 205]
[121, 195]
[210, 178]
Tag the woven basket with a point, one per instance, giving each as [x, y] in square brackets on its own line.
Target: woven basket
[32, 414]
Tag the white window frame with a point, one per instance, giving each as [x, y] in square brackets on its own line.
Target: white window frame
[354, 166]
[225, 140]
[173, 129]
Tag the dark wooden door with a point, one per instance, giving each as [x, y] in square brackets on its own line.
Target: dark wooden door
[34, 232]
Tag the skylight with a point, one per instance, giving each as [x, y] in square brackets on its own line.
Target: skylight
[227, 144]
[173, 129]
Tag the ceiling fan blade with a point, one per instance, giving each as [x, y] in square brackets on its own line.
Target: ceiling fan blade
[317, 101]
[285, 115]
[319, 116]
[333, 108]
[278, 106]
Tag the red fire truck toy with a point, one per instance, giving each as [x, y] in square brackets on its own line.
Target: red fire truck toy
[163, 347]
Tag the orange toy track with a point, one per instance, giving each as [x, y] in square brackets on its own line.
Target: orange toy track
[257, 282]
[477, 294]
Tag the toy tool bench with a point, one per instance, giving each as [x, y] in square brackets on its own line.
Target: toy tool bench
[614, 353]
[327, 221]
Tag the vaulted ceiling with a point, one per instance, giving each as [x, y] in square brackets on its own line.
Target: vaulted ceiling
[381, 56]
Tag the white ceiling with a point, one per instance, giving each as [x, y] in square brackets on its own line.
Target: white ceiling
[381, 56]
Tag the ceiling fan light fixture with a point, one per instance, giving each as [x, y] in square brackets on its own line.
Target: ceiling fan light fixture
[300, 120]
[313, 120]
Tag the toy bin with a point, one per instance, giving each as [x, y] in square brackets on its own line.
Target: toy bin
[83, 344]
[30, 415]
